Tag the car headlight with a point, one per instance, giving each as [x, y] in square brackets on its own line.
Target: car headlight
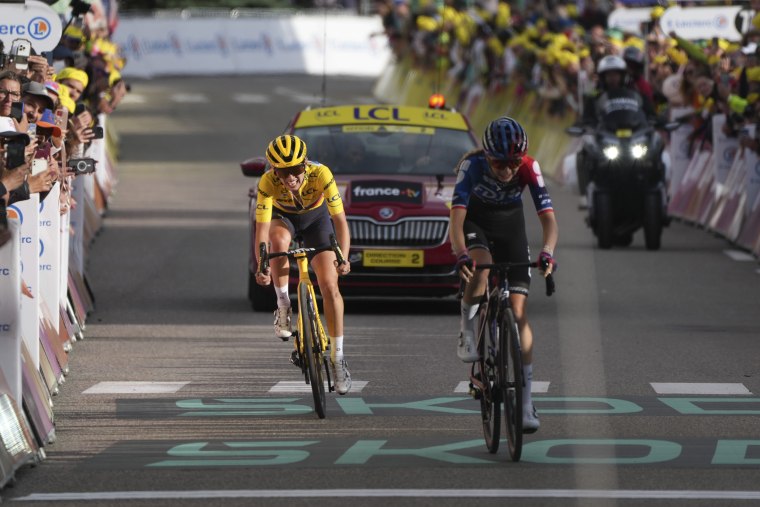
[638, 150]
[611, 152]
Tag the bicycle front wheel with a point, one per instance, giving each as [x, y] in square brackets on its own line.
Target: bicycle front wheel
[311, 352]
[490, 398]
[511, 365]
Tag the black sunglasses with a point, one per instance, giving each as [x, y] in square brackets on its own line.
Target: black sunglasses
[284, 172]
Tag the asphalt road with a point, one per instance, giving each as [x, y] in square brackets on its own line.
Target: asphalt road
[169, 274]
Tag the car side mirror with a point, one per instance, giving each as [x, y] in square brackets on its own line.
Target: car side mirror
[254, 167]
[575, 131]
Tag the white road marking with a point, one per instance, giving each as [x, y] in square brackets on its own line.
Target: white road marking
[193, 98]
[397, 493]
[135, 387]
[251, 98]
[698, 388]
[536, 387]
[299, 386]
[739, 255]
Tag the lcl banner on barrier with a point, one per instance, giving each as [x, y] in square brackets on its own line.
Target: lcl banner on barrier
[303, 44]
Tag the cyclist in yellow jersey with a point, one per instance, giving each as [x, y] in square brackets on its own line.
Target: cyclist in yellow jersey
[298, 197]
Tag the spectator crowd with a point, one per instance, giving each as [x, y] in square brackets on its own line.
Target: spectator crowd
[552, 48]
[50, 105]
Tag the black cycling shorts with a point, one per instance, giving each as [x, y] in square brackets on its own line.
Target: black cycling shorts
[313, 227]
[501, 231]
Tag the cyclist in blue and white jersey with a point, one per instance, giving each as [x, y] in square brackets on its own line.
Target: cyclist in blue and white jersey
[487, 225]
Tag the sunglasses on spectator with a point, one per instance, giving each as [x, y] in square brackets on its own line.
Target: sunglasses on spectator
[284, 172]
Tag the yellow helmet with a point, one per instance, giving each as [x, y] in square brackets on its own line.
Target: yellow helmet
[286, 151]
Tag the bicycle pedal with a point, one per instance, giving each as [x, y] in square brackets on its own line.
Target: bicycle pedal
[295, 359]
[475, 392]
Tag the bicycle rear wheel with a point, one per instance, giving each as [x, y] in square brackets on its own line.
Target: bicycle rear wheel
[490, 397]
[311, 352]
[511, 365]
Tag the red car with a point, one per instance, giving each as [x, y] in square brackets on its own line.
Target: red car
[394, 166]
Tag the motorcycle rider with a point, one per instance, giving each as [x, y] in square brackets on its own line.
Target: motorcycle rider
[612, 95]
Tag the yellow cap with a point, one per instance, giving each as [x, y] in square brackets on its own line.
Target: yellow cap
[753, 74]
[73, 73]
[65, 99]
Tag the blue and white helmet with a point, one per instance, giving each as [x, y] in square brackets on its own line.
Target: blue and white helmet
[505, 138]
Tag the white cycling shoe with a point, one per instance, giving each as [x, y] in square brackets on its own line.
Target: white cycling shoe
[341, 375]
[530, 420]
[282, 323]
[467, 350]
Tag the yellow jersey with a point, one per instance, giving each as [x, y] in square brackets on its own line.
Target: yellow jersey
[318, 185]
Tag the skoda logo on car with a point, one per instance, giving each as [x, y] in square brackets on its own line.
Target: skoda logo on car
[385, 213]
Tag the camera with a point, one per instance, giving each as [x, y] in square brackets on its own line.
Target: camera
[81, 165]
[15, 153]
[79, 8]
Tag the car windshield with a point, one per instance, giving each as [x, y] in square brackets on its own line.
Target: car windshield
[386, 149]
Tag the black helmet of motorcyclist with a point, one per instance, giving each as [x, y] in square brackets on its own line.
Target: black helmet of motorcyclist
[612, 72]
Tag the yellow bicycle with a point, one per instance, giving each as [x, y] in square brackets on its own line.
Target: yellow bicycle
[311, 342]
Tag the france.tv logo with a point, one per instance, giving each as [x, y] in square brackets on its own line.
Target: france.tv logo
[39, 28]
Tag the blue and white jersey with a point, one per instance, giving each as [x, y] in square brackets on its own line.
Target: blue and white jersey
[475, 182]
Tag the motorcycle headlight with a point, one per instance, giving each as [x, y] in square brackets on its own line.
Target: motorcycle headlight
[638, 150]
[611, 152]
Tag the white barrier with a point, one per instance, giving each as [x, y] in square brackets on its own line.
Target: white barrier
[47, 252]
[304, 44]
[10, 311]
[719, 189]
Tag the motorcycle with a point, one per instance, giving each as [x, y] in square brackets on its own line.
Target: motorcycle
[620, 168]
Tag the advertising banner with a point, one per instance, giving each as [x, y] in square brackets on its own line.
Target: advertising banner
[703, 23]
[752, 174]
[334, 44]
[724, 149]
[27, 214]
[679, 149]
[10, 330]
[32, 22]
[629, 20]
[50, 253]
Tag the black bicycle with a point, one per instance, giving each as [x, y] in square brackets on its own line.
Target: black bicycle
[497, 378]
